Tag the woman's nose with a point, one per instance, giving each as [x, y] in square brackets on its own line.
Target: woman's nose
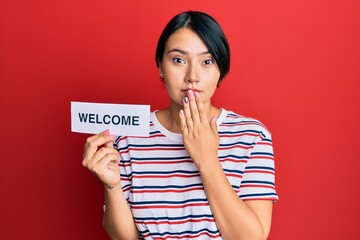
[192, 74]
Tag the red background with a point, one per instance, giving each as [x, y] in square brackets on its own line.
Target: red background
[295, 67]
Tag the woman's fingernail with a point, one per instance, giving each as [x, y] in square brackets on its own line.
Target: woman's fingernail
[181, 112]
[190, 93]
[186, 100]
[197, 95]
[107, 132]
[113, 136]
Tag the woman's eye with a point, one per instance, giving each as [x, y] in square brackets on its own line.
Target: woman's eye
[208, 61]
[178, 60]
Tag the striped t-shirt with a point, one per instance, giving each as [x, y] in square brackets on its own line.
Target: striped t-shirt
[163, 186]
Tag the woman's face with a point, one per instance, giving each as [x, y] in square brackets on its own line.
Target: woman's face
[187, 64]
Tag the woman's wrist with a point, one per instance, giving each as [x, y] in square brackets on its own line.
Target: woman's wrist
[110, 186]
[210, 164]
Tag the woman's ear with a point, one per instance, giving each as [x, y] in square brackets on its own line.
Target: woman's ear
[161, 72]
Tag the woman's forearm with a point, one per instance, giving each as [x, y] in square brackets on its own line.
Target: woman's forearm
[233, 217]
[118, 220]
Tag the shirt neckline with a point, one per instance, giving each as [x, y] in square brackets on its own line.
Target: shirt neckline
[177, 137]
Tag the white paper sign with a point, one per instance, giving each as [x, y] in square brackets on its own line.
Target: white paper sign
[120, 119]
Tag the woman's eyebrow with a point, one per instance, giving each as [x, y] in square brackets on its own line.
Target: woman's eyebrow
[177, 50]
[185, 52]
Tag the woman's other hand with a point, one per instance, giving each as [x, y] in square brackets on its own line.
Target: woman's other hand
[200, 135]
[102, 159]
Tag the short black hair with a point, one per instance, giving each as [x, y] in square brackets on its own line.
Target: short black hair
[208, 30]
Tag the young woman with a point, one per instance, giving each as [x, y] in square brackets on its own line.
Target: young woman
[203, 172]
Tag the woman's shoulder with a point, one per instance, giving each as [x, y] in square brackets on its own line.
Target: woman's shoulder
[238, 122]
[154, 136]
